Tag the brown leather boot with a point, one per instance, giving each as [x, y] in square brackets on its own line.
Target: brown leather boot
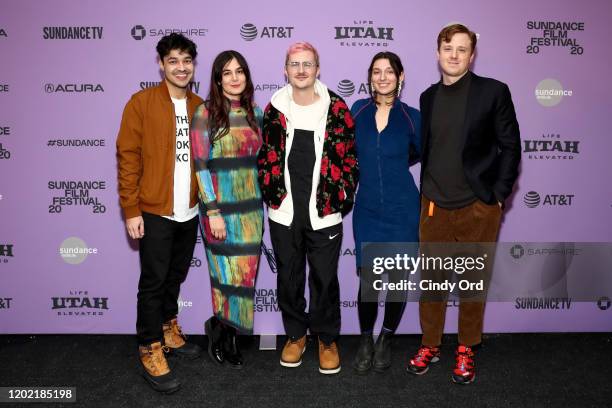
[329, 359]
[156, 370]
[174, 339]
[292, 352]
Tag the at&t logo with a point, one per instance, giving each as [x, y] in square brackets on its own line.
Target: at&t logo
[532, 199]
[347, 88]
[249, 32]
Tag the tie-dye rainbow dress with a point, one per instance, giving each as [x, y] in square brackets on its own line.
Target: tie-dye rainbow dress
[227, 179]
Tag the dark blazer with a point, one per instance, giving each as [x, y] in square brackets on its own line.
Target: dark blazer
[491, 146]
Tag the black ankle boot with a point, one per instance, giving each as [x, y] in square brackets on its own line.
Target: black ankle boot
[363, 360]
[230, 349]
[382, 351]
[214, 331]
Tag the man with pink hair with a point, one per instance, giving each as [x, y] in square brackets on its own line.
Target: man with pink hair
[307, 173]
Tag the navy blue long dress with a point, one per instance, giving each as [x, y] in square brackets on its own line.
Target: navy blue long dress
[387, 202]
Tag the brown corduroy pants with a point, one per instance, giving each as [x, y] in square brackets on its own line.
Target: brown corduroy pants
[477, 222]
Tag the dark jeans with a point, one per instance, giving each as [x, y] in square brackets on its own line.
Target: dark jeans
[477, 223]
[166, 251]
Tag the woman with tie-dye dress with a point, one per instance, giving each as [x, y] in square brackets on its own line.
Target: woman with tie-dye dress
[225, 139]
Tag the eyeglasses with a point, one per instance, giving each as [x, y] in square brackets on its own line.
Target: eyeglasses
[306, 65]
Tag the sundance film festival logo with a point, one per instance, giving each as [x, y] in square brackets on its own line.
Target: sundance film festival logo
[195, 262]
[72, 33]
[194, 86]
[549, 92]
[5, 303]
[6, 251]
[79, 303]
[74, 250]
[266, 300]
[73, 88]
[533, 199]
[363, 33]
[551, 147]
[75, 193]
[5, 154]
[139, 32]
[555, 34]
[249, 32]
[4, 88]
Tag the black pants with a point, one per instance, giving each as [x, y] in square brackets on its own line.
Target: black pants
[292, 246]
[395, 301]
[166, 251]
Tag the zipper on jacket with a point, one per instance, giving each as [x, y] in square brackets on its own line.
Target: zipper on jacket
[382, 200]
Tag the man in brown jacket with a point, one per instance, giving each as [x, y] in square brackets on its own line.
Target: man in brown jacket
[158, 192]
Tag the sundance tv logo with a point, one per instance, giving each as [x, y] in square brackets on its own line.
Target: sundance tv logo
[249, 32]
[533, 199]
[139, 32]
[73, 88]
[194, 86]
[72, 33]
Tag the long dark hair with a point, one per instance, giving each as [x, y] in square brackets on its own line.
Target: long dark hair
[218, 105]
[396, 66]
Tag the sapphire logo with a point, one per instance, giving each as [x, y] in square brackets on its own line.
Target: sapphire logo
[517, 251]
[346, 88]
[138, 32]
[604, 303]
[248, 32]
[532, 199]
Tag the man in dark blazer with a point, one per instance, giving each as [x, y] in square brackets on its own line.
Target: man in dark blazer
[470, 157]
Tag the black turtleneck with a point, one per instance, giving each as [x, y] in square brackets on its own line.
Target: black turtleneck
[443, 180]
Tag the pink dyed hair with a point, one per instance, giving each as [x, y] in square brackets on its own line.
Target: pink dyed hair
[299, 47]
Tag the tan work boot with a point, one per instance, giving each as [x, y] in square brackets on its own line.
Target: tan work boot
[156, 370]
[292, 352]
[174, 339]
[329, 359]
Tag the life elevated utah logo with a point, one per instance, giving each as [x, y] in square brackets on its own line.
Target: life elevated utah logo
[72, 33]
[363, 33]
[79, 303]
[533, 199]
[551, 146]
[249, 32]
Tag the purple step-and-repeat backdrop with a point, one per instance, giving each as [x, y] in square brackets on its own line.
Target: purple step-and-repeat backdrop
[68, 68]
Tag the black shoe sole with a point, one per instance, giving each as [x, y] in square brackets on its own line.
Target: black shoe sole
[381, 369]
[362, 371]
[156, 386]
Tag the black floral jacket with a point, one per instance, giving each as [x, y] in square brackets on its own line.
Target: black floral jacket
[339, 170]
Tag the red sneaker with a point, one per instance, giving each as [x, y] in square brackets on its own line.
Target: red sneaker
[419, 364]
[464, 372]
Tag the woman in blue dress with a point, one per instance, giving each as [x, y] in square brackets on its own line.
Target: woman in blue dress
[387, 133]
